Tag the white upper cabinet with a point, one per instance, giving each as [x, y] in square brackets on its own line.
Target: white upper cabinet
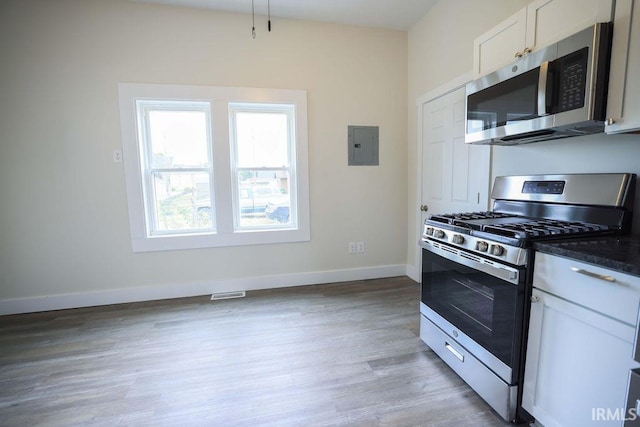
[540, 24]
[499, 46]
[551, 20]
[623, 104]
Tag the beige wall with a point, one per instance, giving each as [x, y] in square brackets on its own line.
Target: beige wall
[63, 221]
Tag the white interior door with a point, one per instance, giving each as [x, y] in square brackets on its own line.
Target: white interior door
[455, 175]
[452, 176]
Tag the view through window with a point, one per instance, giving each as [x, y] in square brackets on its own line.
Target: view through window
[178, 184]
[262, 148]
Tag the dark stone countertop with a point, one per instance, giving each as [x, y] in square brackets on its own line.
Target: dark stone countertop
[619, 253]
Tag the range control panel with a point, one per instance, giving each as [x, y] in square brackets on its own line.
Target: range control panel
[543, 187]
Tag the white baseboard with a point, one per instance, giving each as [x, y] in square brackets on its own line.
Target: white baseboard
[181, 290]
[414, 273]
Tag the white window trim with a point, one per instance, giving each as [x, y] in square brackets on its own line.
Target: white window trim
[143, 117]
[219, 97]
[291, 168]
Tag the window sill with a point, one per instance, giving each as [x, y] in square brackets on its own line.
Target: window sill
[210, 240]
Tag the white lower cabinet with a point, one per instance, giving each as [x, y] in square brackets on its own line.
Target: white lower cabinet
[578, 359]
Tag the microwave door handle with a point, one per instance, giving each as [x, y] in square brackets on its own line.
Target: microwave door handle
[542, 88]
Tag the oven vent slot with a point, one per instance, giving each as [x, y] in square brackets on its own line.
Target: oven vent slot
[445, 248]
[448, 249]
[470, 256]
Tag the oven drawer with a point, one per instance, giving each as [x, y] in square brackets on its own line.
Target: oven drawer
[499, 395]
[609, 292]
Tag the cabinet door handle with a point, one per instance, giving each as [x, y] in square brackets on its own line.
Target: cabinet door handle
[594, 275]
[455, 352]
[518, 55]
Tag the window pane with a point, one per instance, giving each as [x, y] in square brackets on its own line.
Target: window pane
[182, 201]
[264, 198]
[178, 138]
[262, 139]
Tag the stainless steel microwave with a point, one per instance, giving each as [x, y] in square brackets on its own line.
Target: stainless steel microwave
[555, 92]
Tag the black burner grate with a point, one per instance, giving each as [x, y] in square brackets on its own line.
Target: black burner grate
[542, 228]
[467, 216]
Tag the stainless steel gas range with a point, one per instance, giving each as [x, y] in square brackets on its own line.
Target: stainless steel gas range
[477, 269]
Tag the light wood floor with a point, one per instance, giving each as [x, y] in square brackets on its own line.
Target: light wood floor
[345, 354]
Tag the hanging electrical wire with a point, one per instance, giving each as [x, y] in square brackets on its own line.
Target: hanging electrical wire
[269, 15]
[253, 17]
[253, 20]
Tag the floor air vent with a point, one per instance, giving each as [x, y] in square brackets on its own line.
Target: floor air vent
[228, 295]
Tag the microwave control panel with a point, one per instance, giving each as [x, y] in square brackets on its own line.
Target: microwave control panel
[571, 72]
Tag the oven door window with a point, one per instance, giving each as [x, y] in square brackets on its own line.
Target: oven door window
[485, 308]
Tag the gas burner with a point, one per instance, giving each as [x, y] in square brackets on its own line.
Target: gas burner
[544, 228]
[521, 228]
[460, 218]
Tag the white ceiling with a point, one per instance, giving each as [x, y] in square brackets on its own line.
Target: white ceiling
[391, 14]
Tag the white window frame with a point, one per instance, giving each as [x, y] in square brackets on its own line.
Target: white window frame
[143, 108]
[224, 233]
[290, 167]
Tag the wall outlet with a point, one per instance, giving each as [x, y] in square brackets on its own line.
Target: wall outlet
[360, 247]
[352, 247]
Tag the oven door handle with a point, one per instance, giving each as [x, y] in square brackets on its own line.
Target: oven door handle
[492, 268]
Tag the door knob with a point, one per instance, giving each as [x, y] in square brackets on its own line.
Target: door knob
[424, 208]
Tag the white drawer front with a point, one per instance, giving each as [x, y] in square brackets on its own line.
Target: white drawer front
[613, 294]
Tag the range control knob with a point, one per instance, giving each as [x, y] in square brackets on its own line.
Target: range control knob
[458, 239]
[429, 231]
[482, 246]
[496, 250]
[439, 234]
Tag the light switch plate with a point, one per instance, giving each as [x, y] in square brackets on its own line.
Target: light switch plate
[117, 156]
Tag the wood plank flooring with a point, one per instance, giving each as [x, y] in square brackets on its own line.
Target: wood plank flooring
[344, 354]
